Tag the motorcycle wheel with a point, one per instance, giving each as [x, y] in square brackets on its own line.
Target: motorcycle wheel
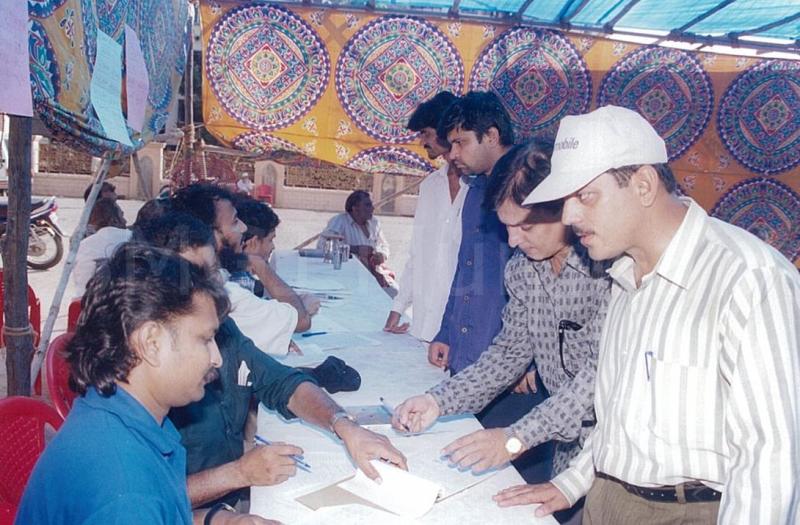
[45, 247]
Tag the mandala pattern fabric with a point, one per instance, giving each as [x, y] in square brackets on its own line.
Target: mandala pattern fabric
[539, 76]
[725, 119]
[668, 87]
[389, 67]
[767, 209]
[759, 117]
[266, 65]
[390, 160]
[63, 49]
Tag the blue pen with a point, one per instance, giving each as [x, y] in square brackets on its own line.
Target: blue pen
[310, 334]
[300, 463]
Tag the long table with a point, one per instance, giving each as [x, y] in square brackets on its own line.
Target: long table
[392, 366]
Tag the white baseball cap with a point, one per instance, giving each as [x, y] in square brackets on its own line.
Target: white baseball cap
[589, 145]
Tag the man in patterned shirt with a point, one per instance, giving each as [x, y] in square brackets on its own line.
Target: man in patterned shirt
[557, 303]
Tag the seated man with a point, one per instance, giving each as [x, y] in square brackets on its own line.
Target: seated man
[358, 228]
[144, 344]
[556, 309]
[258, 243]
[269, 323]
[213, 429]
[109, 222]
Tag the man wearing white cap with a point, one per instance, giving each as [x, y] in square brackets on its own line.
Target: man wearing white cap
[698, 382]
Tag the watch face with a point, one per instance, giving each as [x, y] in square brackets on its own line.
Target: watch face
[513, 445]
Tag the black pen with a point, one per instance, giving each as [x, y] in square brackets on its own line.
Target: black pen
[310, 334]
[390, 410]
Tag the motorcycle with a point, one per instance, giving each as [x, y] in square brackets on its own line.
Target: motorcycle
[45, 238]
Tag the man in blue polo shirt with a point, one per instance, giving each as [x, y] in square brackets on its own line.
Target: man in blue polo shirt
[144, 344]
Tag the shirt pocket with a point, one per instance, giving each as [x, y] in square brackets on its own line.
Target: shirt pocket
[683, 403]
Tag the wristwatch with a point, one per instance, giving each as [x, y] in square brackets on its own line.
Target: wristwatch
[513, 443]
[340, 414]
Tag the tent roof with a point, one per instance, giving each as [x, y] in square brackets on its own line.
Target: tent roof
[764, 24]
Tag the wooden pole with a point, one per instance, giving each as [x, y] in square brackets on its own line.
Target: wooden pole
[74, 242]
[18, 335]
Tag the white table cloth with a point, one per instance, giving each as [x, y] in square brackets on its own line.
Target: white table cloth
[392, 366]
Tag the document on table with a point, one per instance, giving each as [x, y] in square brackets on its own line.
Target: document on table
[400, 492]
[352, 514]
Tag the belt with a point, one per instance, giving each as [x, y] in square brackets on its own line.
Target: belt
[692, 492]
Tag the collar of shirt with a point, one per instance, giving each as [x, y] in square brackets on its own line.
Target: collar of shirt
[354, 224]
[165, 438]
[677, 261]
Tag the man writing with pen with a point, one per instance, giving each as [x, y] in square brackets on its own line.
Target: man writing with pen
[557, 304]
[212, 429]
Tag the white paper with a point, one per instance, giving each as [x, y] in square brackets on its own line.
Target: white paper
[400, 492]
[106, 89]
[137, 80]
[15, 81]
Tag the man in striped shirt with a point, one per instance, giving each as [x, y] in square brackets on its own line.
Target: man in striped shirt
[698, 382]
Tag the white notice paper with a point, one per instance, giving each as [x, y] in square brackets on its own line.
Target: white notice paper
[401, 493]
[137, 80]
[15, 81]
[106, 89]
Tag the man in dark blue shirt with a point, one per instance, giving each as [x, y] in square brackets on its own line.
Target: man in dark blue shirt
[479, 132]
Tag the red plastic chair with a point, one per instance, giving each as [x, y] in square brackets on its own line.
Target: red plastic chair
[35, 317]
[265, 192]
[22, 440]
[57, 371]
[73, 313]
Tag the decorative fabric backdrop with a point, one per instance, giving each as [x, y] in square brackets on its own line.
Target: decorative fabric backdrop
[63, 44]
[339, 87]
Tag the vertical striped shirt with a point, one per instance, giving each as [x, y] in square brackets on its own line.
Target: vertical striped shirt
[699, 375]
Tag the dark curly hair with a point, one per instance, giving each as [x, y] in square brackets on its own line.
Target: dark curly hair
[477, 111]
[259, 218]
[198, 199]
[517, 173]
[354, 199]
[138, 284]
[177, 231]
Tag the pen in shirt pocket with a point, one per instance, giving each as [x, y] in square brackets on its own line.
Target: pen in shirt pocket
[647, 357]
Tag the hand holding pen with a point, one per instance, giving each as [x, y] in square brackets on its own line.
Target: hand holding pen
[416, 414]
[268, 465]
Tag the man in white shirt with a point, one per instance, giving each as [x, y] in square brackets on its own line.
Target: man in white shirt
[109, 221]
[358, 228]
[437, 232]
[269, 323]
[698, 382]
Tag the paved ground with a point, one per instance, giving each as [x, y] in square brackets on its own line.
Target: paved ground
[295, 227]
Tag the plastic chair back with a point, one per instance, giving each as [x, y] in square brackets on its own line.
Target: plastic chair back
[57, 371]
[265, 192]
[22, 440]
[73, 313]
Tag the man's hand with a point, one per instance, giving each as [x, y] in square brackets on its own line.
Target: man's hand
[268, 465]
[547, 494]
[376, 259]
[480, 450]
[416, 414]
[363, 445]
[393, 324]
[526, 384]
[311, 303]
[438, 354]
[294, 349]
